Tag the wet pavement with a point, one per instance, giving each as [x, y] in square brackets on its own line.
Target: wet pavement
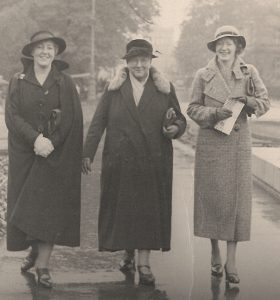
[183, 273]
[85, 273]
[258, 261]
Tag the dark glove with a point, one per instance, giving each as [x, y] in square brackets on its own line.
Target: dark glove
[242, 99]
[249, 102]
[222, 113]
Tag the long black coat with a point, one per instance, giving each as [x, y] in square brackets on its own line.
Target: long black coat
[43, 193]
[136, 179]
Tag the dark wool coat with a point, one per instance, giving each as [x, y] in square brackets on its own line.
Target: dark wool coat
[223, 184]
[136, 179]
[43, 193]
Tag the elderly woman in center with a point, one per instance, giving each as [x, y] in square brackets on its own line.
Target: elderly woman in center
[223, 184]
[44, 120]
[141, 114]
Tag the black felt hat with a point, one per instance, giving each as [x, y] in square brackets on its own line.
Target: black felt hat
[139, 47]
[41, 36]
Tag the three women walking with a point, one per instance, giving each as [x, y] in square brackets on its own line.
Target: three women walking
[141, 115]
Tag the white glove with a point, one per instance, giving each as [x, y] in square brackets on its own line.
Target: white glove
[43, 146]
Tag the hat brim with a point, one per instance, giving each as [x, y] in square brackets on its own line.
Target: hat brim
[212, 45]
[27, 49]
[138, 52]
[60, 64]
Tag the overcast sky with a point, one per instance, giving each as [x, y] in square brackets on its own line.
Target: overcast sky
[173, 12]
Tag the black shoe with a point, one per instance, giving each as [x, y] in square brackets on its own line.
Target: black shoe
[146, 278]
[29, 261]
[231, 278]
[44, 277]
[217, 270]
[127, 267]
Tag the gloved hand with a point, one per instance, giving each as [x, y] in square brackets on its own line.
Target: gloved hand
[86, 165]
[170, 131]
[223, 113]
[248, 101]
[43, 146]
[242, 99]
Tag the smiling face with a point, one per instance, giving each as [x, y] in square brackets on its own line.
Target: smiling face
[44, 53]
[225, 49]
[139, 66]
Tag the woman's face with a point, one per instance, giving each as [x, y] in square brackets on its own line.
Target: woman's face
[139, 66]
[44, 53]
[225, 49]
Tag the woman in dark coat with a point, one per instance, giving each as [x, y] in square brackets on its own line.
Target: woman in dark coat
[44, 119]
[223, 184]
[136, 179]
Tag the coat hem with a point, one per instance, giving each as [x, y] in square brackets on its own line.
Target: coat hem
[215, 237]
[122, 249]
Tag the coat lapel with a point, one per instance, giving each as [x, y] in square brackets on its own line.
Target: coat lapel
[216, 86]
[148, 93]
[216, 89]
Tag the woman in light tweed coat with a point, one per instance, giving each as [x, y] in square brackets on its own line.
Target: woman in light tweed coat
[223, 185]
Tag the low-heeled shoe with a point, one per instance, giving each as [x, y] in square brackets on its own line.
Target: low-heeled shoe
[146, 278]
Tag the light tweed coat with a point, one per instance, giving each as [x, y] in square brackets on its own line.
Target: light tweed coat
[223, 184]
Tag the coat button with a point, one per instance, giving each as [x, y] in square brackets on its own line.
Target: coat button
[236, 127]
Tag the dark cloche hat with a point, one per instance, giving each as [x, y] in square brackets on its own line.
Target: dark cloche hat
[226, 31]
[41, 36]
[139, 47]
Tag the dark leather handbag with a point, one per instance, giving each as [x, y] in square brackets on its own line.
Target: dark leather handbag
[170, 117]
[250, 86]
[54, 121]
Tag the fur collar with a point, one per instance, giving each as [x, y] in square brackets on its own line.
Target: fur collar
[162, 84]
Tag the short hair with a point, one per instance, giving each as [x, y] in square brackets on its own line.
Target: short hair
[238, 44]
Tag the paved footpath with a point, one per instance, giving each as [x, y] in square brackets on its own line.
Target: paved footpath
[84, 273]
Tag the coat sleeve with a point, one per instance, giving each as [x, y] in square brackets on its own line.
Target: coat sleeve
[98, 124]
[203, 115]
[180, 118]
[259, 102]
[15, 122]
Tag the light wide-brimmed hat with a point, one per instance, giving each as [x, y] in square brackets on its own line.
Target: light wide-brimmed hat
[41, 36]
[226, 31]
[139, 47]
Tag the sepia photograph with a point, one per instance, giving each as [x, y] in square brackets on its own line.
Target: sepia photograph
[139, 149]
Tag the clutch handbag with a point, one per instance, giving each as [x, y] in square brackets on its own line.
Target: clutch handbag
[54, 121]
[170, 117]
